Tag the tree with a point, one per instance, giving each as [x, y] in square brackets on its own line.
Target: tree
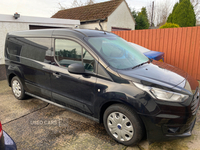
[61, 7]
[184, 14]
[90, 2]
[169, 19]
[141, 19]
[144, 13]
[141, 22]
[160, 11]
[196, 5]
[134, 13]
[75, 3]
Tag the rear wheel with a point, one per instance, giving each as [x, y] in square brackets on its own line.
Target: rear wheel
[17, 88]
[123, 125]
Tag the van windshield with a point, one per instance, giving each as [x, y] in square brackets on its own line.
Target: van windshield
[117, 52]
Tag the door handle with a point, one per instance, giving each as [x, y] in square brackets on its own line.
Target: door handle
[56, 74]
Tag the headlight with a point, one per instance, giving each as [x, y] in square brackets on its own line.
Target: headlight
[163, 94]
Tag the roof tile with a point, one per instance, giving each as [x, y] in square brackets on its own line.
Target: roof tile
[89, 12]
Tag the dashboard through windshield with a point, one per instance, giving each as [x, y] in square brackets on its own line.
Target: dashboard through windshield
[117, 52]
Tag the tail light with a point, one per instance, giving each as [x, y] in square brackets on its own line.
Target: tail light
[1, 130]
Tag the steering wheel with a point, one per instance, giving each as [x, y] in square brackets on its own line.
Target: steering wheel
[90, 64]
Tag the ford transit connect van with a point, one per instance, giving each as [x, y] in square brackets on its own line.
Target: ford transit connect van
[101, 76]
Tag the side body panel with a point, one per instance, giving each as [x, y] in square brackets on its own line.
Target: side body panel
[73, 90]
[28, 58]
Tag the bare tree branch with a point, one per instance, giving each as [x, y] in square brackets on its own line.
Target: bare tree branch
[89, 2]
[161, 12]
[76, 3]
[196, 4]
[61, 7]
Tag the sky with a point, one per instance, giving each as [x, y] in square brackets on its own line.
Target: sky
[47, 8]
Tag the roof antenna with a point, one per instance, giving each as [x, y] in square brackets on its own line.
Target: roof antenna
[101, 26]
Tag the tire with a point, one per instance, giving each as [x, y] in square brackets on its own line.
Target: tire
[123, 124]
[17, 88]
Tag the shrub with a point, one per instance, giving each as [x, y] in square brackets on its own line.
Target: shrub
[169, 25]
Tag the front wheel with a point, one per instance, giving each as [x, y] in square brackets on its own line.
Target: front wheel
[17, 88]
[123, 125]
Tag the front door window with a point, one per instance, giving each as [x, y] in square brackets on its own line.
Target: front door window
[68, 52]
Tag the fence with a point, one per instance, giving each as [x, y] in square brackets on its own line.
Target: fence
[180, 45]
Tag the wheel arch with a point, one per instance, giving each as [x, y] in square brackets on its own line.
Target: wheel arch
[10, 78]
[107, 104]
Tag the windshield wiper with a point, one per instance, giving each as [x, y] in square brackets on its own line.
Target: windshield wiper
[141, 64]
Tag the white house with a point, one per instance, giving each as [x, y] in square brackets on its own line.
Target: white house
[9, 23]
[114, 15]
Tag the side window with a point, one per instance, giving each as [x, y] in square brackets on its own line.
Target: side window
[88, 61]
[36, 48]
[14, 49]
[67, 52]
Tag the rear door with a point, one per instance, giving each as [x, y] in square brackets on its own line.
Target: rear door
[31, 58]
[76, 91]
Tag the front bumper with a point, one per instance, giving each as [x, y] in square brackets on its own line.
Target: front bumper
[160, 129]
[172, 124]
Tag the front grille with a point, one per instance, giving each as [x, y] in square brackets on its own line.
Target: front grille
[195, 102]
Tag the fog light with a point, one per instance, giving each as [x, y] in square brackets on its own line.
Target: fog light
[173, 130]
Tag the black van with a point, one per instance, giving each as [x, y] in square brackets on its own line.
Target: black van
[103, 77]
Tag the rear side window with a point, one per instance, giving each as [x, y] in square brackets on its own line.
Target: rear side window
[14, 48]
[32, 48]
[36, 48]
[68, 52]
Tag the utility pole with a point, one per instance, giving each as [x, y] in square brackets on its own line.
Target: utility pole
[152, 14]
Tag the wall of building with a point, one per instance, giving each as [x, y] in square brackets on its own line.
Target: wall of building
[9, 24]
[6, 27]
[121, 18]
[94, 25]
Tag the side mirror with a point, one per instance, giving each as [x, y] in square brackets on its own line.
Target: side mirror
[76, 68]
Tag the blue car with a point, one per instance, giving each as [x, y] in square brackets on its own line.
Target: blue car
[159, 56]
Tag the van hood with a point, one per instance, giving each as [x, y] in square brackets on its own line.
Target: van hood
[158, 73]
